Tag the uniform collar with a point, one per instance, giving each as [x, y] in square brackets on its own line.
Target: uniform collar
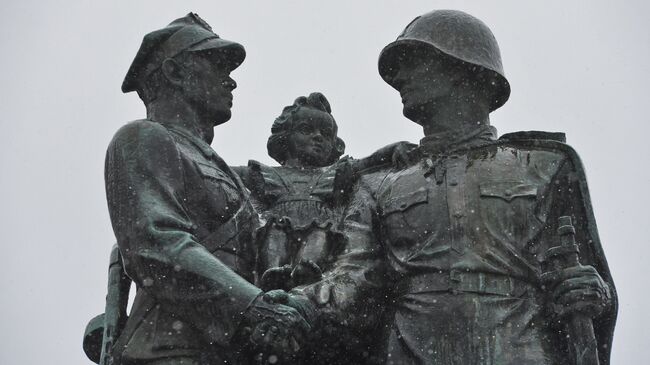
[446, 142]
[209, 153]
[198, 142]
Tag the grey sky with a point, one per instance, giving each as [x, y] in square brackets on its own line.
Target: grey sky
[581, 67]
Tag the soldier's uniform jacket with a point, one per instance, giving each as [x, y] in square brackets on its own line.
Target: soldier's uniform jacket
[183, 222]
[462, 230]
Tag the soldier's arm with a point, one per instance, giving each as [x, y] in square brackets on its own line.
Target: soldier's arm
[243, 172]
[567, 195]
[587, 288]
[394, 154]
[145, 193]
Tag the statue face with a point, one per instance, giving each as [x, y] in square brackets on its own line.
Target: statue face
[208, 87]
[424, 82]
[312, 138]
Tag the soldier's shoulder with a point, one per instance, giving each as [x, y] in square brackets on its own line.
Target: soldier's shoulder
[414, 168]
[256, 165]
[404, 178]
[372, 180]
[533, 136]
[548, 143]
[142, 131]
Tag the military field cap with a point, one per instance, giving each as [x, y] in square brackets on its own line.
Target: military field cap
[454, 34]
[189, 33]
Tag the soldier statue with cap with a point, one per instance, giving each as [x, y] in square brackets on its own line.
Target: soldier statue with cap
[182, 217]
[467, 230]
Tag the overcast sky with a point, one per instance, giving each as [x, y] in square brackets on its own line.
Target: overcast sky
[581, 67]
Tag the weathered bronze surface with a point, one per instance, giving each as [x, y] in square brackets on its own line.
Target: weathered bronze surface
[466, 249]
[182, 217]
[463, 234]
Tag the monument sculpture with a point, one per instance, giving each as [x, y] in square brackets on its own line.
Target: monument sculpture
[182, 217]
[469, 227]
[465, 249]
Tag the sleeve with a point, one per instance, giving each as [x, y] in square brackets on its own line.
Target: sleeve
[350, 292]
[145, 192]
[394, 153]
[243, 172]
[568, 195]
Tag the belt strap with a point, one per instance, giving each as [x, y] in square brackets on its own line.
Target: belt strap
[458, 281]
[230, 229]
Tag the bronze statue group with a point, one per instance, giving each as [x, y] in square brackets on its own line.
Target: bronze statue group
[463, 249]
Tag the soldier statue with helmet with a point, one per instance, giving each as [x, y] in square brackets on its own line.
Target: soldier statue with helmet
[490, 249]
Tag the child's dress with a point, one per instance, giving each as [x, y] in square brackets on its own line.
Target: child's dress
[302, 208]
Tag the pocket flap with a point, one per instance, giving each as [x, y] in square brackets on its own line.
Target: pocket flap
[214, 173]
[508, 190]
[403, 202]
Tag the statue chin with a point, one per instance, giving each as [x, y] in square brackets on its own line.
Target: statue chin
[413, 113]
[221, 117]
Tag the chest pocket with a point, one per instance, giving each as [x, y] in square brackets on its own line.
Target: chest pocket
[508, 209]
[401, 203]
[508, 190]
[211, 172]
[222, 191]
[404, 217]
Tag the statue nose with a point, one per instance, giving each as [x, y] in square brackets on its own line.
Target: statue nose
[399, 78]
[229, 83]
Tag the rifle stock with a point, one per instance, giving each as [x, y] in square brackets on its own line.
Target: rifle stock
[580, 327]
[116, 302]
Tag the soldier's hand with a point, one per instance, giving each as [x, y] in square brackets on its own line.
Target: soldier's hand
[299, 302]
[400, 157]
[275, 329]
[577, 289]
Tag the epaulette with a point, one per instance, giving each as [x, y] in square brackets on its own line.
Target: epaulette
[535, 135]
[254, 164]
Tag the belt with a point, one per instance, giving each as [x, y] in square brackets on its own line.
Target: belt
[459, 281]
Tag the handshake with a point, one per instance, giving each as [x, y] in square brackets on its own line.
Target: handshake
[277, 325]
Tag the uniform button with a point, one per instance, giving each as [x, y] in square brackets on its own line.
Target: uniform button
[458, 214]
[508, 192]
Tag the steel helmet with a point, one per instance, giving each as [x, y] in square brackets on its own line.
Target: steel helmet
[455, 34]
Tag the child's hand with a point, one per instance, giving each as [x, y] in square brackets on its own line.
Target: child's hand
[276, 278]
[305, 272]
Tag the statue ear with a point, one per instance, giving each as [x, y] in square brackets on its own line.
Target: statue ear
[173, 71]
[337, 151]
[339, 146]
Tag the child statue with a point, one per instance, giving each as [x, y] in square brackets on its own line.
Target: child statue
[302, 199]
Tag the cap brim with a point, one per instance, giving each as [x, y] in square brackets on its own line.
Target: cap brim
[392, 55]
[232, 53]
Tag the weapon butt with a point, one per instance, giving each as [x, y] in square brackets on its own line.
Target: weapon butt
[584, 344]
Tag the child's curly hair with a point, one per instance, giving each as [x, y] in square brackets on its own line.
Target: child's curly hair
[277, 145]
